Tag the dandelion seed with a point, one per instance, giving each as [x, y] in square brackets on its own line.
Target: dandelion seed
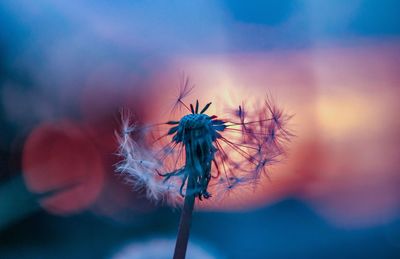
[188, 157]
[185, 88]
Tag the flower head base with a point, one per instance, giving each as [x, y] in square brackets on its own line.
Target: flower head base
[199, 153]
[197, 132]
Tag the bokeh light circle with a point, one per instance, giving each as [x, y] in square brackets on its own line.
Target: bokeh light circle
[63, 167]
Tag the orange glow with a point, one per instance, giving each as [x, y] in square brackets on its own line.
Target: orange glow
[343, 114]
[343, 100]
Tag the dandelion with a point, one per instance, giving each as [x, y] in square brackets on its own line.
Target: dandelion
[201, 154]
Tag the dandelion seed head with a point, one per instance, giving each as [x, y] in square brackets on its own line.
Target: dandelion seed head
[198, 152]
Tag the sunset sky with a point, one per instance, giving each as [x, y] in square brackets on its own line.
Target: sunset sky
[68, 68]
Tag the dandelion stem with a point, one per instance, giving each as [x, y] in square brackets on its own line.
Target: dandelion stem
[185, 221]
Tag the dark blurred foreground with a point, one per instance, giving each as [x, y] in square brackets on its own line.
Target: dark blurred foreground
[288, 229]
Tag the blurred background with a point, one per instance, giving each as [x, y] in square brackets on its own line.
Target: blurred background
[68, 67]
